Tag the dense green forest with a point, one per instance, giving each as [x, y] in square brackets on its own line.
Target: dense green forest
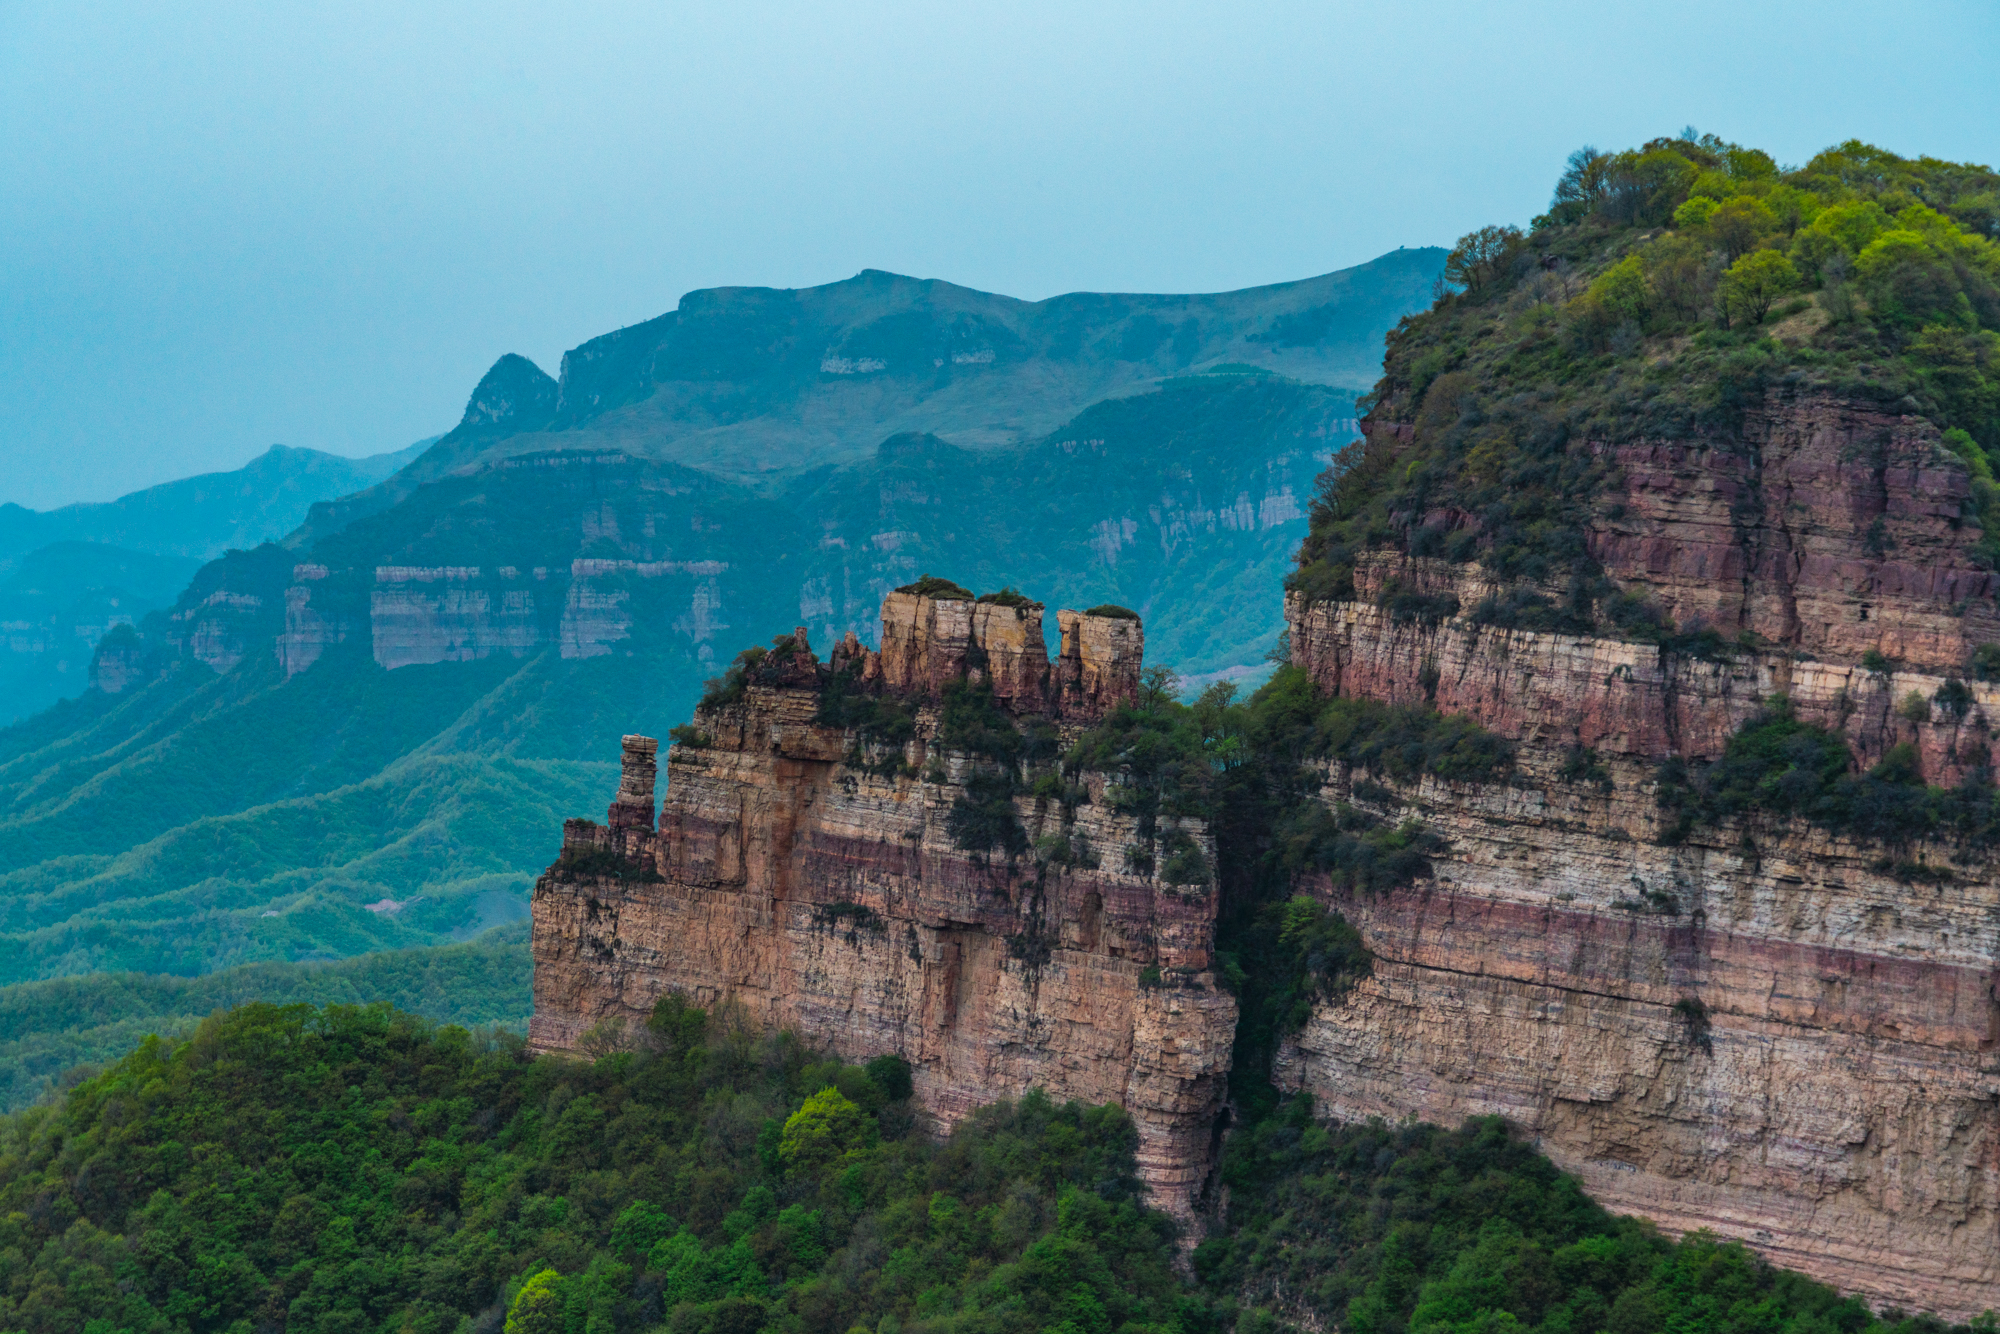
[57, 1032]
[1665, 291]
[359, 1169]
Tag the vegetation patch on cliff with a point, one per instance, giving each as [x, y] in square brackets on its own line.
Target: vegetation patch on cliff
[576, 865]
[1777, 765]
[982, 817]
[879, 721]
[1668, 288]
[936, 586]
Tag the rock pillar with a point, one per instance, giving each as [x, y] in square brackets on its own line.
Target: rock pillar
[633, 806]
[1102, 657]
[1016, 658]
[925, 640]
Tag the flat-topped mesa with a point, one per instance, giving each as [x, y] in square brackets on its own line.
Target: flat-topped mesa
[831, 861]
[935, 632]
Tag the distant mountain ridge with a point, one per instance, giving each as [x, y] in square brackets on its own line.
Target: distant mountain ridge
[758, 384]
[68, 575]
[205, 515]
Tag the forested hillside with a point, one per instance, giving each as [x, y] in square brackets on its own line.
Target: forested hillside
[1668, 288]
[55, 1033]
[356, 1169]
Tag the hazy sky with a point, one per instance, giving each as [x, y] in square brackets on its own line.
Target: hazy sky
[223, 226]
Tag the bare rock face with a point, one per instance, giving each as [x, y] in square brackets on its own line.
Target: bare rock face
[1764, 1030]
[310, 630]
[1100, 663]
[800, 871]
[1826, 526]
[929, 641]
[119, 662]
[925, 642]
[450, 613]
[1016, 660]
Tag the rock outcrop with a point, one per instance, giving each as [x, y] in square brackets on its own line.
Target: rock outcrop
[807, 873]
[1760, 1028]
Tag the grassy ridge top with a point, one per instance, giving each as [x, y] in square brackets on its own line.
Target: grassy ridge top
[1668, 288]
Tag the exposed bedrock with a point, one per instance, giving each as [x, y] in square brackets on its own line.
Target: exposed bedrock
[1827, 526]
[1761, 1030]
[800, 871]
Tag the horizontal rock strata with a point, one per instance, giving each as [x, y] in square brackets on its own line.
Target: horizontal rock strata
[1826, 526]
[808, 875]
[1760, 1030]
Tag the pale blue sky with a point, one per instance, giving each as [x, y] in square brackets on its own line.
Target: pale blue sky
[223, 226]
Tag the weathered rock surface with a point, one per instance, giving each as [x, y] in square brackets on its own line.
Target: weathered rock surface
[798, 874]
[1829, 527]
[1762, 1030]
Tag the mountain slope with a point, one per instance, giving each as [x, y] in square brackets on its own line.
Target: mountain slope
[50, 1029]
[56, 602]
[369, 743]
[69, 575]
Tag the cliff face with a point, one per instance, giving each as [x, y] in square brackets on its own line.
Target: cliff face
[1825, 526]
[1764, 1029]
[807, 873]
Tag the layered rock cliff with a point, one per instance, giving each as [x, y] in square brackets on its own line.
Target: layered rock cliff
[1756, 1026]
[809, 872]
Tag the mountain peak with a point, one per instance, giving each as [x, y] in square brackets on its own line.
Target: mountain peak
[515, 393]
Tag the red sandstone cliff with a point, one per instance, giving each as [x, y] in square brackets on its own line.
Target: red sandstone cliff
[795, 872]
[1764, 1030]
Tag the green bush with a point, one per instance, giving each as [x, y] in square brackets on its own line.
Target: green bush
[935, 586]
[1378, 1228]
[1777, 765]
